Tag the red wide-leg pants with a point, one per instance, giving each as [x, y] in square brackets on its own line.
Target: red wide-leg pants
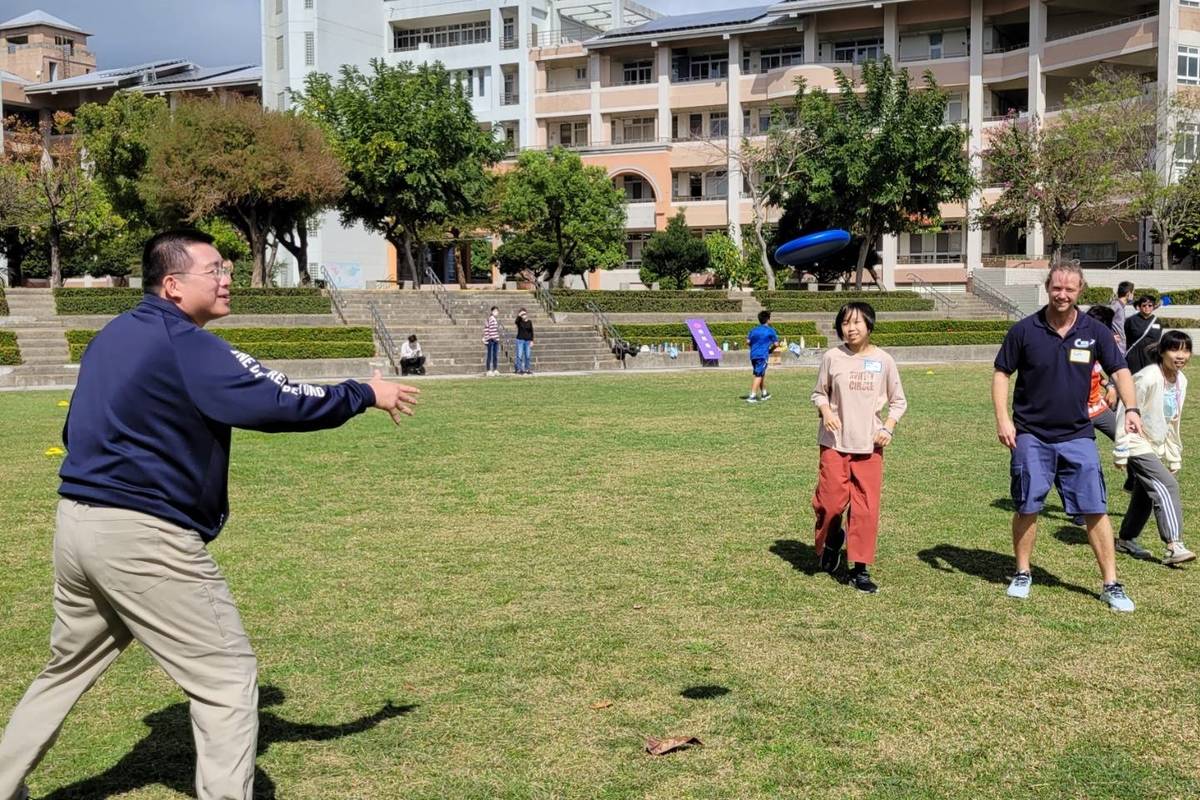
[849, 479]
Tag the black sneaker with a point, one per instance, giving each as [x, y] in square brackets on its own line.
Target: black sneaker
[861, 579]
[831, 556]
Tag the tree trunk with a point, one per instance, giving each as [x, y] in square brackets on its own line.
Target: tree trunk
[465, 265]
[1164, 258]
[406, 245]
[762, 252]
[863, 250]
[258, 251]
[302, 255]
[55, 252]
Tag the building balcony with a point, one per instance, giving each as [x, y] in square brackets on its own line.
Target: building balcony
[679, 199]
[640, 214]
[508, 43]
[510, 98]
[568, 86]
[1097, 42]
[1099, 26]
[929, 258]
[64, 50]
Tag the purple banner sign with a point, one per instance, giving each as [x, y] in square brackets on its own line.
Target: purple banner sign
[704, 340]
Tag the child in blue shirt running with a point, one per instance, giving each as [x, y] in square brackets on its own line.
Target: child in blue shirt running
[762, 339]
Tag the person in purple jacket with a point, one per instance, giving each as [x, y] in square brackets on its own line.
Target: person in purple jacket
[144, 489]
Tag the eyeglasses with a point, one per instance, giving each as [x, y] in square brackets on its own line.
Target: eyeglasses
[215, 272]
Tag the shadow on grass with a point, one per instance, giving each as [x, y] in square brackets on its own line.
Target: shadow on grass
[1071, 534]
[1006, 504]
[988, 565]
[704, 692]
[802, 556]
[167, 754]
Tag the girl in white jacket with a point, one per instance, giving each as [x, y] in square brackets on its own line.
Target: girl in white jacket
[1156, 455]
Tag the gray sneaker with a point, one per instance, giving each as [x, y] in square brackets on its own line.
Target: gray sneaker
[22, 793]
[1114, 595]
[1019, 587]
[1177, 553]
[1131, 547]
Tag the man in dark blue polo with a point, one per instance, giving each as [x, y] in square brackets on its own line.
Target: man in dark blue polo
[1052, 441]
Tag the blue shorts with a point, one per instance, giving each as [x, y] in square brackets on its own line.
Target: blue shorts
[1073, 467]
[760, 366]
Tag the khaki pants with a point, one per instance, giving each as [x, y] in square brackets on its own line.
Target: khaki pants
[119, 576]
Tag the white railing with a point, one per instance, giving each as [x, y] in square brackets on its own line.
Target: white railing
[1099, 26]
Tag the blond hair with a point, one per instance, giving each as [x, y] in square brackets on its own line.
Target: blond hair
[1070, 268]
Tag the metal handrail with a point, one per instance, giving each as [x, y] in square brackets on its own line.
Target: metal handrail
[384, 336]
[439, 292]
[994, 298]
[546, 299]
[335, 295]
[935, 294]
[1102, 25]
[611, 335]
[1125, 262]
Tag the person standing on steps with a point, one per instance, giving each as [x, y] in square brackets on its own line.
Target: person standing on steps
[491, 341]
[1049, 435]
[524, 364]
[144, 490]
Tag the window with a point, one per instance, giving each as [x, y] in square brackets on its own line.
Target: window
[464, 33]
[581, 73]
[281, 101]
[633, 249]
[509, 32]
[954, 108]
[22, 39]
[635, 189]
[573, 134]
[746, 121]
[278, 52]
[695, 185]
[718, 124]
[701, 68]
[633, 129]
[1187, 144]
[308, 4]
[62, 41]
[779, 57]
[695, 125]
[717, 184]
[1092, 251]
[479, 79]
[764, 120]
[1189, 64]
[465, 78]
[935, 248]
[857, 51]
[310, 49]
[53, 70]
[637, 72]
[935, 45]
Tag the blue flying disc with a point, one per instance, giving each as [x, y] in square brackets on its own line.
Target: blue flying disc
[812, 247]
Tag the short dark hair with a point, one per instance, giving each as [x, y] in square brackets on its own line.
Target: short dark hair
[412, 337]
[1102, 313]
[1124, 288]
[166, 252]
[493, 308]
[1146, 298]
[866, 310]
[764, 316]
[1170, 341]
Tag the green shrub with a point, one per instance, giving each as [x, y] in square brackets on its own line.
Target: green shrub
[686, 343]
[74, 302]
[10, 353]
[788, 300]
[937, 338]
[934, 325]
[623, 302]
[1179, 322]
[3, 303]
[718, 329]
[267, 343]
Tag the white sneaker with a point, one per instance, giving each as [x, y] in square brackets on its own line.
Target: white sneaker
[1019, 587]
[751, 399]
[1114, 595]
[1177, 553]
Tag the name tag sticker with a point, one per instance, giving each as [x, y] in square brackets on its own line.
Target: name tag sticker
[1079, 356]
[872, 366]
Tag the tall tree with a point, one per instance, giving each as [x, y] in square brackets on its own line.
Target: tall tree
[414, 154]
[671, 256]
[1075, 170]
[883, 159]
[116, 136]
[569, 214]
[60, 203]
[236, 160]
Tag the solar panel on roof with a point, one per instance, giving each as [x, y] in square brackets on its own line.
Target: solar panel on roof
[707, 19]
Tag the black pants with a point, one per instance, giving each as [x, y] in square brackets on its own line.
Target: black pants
[412, 366]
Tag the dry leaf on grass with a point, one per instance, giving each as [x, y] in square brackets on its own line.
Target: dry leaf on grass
[601, 704]
[638, 607]
[658, 747]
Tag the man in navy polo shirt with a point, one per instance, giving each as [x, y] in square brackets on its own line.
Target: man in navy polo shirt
[1052, 444]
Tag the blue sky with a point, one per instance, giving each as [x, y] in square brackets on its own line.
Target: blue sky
[211, 32]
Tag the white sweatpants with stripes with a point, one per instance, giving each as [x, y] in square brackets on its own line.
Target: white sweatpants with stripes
[1154, 489]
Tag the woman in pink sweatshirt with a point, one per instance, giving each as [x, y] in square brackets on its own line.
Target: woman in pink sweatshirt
[856, 381]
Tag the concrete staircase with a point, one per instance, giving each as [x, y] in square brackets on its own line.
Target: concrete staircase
[969, 306]
[457, 349]
[44, 353]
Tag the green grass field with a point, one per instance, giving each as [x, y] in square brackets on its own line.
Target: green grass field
[522, 550]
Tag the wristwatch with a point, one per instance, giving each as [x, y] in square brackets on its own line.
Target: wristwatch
[1134, 409]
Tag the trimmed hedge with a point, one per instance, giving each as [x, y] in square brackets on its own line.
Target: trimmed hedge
[3, 303]
[627, 302]
[1104, 295]
[1179, 323]
[937, 338]
[718, 329]
[686, 343]
[10, 353]
[75, 302]
[785, 294]
[832, 301]
[940, 325]
[268, 343]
